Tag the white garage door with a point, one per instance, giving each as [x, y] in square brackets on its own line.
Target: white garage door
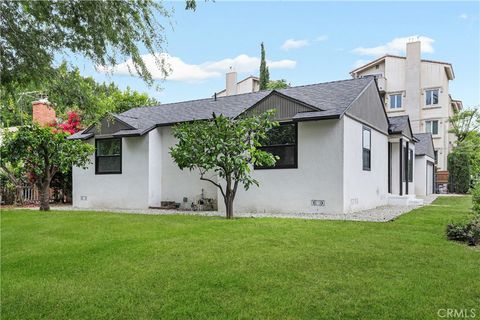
[429, 178]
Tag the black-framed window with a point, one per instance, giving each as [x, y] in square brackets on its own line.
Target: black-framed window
[410, 165]
[282, 142]
[436, 156]
[108, 156]
[367, 149]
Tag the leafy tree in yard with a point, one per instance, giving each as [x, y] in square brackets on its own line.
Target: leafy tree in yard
[277, 84]
[465, 123]
[225, 148]
[264, 73]
[13, 170]
[106, 32]
[44, 152]
[69, 90]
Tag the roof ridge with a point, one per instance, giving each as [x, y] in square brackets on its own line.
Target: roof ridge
[266, 92]
[319, 83]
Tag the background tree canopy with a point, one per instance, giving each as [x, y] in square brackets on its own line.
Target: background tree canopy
[105, 32]
[68, 90]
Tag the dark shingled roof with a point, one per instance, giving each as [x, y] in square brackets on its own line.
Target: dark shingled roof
[424, 145]
[331, 99]
[397, 124]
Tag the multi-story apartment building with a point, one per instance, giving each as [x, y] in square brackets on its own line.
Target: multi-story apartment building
[420, 89]
[232, 87]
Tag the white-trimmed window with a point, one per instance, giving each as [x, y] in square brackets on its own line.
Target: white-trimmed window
[431, 97]
[431, 126]
[395, 101]
[366, 149]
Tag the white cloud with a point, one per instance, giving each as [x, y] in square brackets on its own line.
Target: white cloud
[396, 46]
[182, 71]
[322, 38]
[294, 44]
[463, 16]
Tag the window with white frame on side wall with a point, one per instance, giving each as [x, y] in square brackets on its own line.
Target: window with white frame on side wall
[431, 97]
[431, 126]
[395, 101]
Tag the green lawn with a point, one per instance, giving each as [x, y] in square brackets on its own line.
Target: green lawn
[84, 265]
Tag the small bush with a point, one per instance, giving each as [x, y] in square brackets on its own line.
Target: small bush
[476, 198]
[468, 231]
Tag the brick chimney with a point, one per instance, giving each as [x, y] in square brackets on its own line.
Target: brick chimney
[231, 83]
[413, 83]
[42, 112]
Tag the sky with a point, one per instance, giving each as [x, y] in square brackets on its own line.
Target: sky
[306, 42]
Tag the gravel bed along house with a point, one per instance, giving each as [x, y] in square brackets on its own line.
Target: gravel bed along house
[379, 214]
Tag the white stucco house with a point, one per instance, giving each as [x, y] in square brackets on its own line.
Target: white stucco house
[339, 153]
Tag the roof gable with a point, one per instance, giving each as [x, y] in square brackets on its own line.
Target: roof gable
[286, 107]
[368, 107]
[400, 125]
[424, 145]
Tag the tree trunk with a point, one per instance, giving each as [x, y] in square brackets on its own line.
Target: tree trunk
[44, 189]
[19, 195]
[229, 206]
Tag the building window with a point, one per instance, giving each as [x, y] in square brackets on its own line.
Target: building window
[410, 165]
[431, 126]
[436, 156]
[395, 101]
[431, 97]
[366, 149]
[282, 142]
[108, 156]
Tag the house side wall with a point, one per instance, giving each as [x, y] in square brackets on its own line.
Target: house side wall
[154, 168]
[285, 108]
[369, 109]
[319, 176]
[394, 162]
[420, 175]
[423, 177]
[179, 184]
[126, 190]
[364, 189]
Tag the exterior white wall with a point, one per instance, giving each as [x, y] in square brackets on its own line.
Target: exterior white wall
[420, 175]
[154, 168]
[364, 189]
[395, 170]
[319, 176]
[423, 177]
[178, 184]
[126, 190]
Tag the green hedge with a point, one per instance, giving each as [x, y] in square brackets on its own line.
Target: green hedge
[459, 172]
[476, 198]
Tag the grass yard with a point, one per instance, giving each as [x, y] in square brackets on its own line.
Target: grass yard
[85, 265]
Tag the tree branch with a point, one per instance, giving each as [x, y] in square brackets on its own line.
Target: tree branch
[213, 182]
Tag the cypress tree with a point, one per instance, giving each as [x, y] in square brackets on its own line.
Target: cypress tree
[264, 74]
